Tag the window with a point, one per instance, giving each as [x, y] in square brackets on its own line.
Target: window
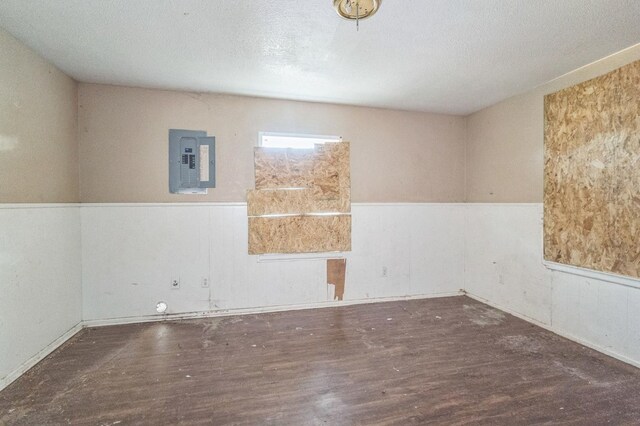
[290, 140]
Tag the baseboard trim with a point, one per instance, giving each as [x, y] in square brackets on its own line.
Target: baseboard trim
[31, 362]
[560, 333]
[258, 310]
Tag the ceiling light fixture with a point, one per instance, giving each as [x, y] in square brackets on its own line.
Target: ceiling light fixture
[356, 9]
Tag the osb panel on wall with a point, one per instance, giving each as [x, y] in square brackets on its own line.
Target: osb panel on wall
[299, 234]
[283, 168]
[325, 169]
[336, 270]
[592, 173]
[295, 201]
[300, 182]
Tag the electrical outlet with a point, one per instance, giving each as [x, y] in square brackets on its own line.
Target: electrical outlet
[205, 283]
[383, 273]
[175, 283]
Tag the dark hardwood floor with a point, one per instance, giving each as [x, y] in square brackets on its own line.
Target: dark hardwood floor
[436, 361]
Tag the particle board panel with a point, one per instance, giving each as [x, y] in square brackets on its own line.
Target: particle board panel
[283, 168]
[626, 195]
[324, 169]
[331, 171]
[295, 201]
[336, 270]
[592, 173]
[301, 183]
[299, 234]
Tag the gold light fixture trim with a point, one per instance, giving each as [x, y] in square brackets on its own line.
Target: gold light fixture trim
[356, 9]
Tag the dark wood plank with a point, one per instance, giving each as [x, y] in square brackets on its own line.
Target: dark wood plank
[439, 361]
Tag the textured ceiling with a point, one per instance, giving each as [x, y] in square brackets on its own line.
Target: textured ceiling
[451, 56]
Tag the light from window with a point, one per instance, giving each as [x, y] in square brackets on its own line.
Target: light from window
[288, 140]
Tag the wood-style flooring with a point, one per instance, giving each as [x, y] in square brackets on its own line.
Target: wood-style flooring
[447, 361]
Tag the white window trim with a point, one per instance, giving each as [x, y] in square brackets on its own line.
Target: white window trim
[328, 138]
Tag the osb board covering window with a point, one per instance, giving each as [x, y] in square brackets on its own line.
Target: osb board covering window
[300, 184]
[324, 169]
[299, 234]
[592, 173]
[295, 201]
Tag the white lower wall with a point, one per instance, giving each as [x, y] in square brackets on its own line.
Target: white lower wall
[131, 252]
[40, 289]
[504, 267]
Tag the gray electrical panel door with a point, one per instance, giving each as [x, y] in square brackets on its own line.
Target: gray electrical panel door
[192, 164]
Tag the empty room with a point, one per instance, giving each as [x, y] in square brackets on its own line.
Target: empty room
[319, 212]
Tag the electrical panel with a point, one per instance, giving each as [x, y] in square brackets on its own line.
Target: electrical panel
[192, 161]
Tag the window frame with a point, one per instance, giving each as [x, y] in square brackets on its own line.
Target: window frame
[316, 138]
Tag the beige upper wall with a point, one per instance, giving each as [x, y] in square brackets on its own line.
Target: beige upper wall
[505, 141]
[38, 112]
[396, 156]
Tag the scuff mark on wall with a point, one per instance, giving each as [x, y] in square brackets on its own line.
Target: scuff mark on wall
[8, 143]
